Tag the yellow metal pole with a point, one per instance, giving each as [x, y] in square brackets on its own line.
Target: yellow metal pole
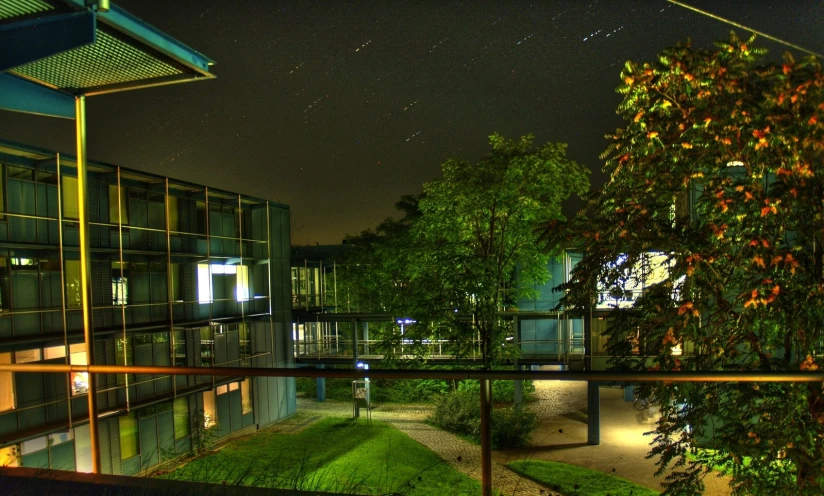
[85, 273]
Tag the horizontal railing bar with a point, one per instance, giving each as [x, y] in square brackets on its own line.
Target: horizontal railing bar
[597, 376]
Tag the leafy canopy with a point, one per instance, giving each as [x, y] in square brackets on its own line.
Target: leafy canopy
[451, 264]
[719, 169]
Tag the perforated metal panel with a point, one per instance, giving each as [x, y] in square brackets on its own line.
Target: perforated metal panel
[109, 60]
[16, 8]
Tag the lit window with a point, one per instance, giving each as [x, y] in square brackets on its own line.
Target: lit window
[80, 380]
[204, 284]
[209, 410]
[6, 385]
[70, 204]
[128, 435]
[246, 396]
[120, 290]
[242, 289]
[9, 456]
[25, 356]
[33, 445]
[54, 352]
[205, 272]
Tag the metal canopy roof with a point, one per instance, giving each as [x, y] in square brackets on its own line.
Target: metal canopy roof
[124, 52]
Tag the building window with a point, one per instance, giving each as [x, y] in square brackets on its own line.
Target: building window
[80, 380]
[180, 359]
[181, 413]
[113, 202]
[54, 352]
[128, 436]
[120, 290]
[25, 356]
[209, 409]
[10, 456]
[124, 355]
[69, 193]
[205, 273]
[71, 269]
[246, 395]
[6, 385]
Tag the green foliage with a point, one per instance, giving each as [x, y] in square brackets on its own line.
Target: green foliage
[512, 427]
[332, 455]
[502, 391]
[451, 262]
[570, 480]
[408, 390]
[459, 412]
[719, 170]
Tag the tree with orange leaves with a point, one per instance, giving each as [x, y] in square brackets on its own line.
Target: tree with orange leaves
[720, 169]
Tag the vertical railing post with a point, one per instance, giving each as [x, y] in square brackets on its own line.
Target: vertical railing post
[486, 438]
[85, 274]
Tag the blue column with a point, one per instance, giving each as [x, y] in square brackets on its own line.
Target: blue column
[320, 386]
[593, 414]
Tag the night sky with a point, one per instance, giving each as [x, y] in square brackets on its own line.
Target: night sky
[339, 108]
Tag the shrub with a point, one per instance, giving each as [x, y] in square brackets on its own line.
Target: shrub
[459, 412]
[408, 390]
[512, 427]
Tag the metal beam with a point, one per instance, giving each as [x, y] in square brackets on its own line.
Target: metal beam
[498, 375]
[85, 275]
[19, 95]
[33, 39]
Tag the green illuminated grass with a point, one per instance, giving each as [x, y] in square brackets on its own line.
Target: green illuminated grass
[333, 455]
[570, 480]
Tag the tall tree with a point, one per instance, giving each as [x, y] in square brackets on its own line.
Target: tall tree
[719, 171]
[478, 225]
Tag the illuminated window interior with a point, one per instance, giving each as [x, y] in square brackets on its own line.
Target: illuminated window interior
[245, 396]
[205, 273]
[80, 380]
[6, 385]
[9, 456]
[209, 409]
[120, 290]
[128, 435]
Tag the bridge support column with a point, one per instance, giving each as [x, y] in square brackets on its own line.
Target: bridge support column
[593, 414]
[320, 386]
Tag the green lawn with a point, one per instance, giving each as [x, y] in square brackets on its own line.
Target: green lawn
[335, 455]
[570, 480]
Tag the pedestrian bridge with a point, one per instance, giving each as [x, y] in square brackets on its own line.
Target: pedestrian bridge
[539, 337]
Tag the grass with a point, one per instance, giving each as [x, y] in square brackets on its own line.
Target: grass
[333, 454]
[570, 480]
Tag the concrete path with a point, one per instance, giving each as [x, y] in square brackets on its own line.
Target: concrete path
[562, 436]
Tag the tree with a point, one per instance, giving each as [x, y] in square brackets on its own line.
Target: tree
[478, 225]
[718, 172]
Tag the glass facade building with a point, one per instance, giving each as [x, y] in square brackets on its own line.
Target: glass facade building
[180, 275]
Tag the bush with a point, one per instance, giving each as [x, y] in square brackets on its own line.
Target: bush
[460, 413]
[408, 390]
[502, 391]
[512, 427]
